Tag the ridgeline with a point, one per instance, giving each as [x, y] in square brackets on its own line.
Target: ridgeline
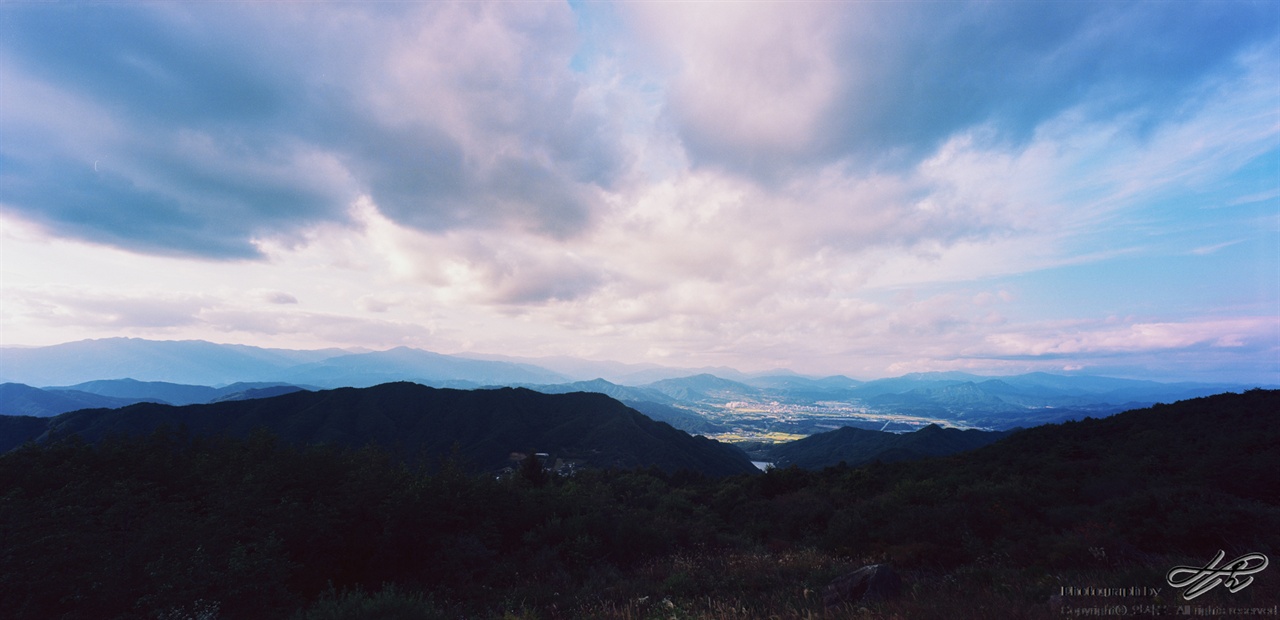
[478, 428]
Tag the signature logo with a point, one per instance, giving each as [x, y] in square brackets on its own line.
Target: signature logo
[1233, 574]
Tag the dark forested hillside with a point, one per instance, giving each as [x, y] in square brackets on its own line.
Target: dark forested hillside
[857, 446]
[16, 430]
[162, 526]
[481, 427]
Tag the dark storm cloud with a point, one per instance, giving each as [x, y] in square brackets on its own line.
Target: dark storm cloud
[144, 63]
[210, 127]
[105, 207]
[421, 177]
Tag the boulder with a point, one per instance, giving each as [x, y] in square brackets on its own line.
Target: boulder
[870, 583]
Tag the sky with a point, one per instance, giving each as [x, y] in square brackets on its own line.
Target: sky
[858, 188]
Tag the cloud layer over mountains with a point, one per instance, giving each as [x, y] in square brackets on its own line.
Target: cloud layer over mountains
[866, 188]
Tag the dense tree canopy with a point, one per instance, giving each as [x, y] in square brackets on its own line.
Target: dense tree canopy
[170, 525]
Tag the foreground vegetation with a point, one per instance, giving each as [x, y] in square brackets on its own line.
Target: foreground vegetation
[170, 526]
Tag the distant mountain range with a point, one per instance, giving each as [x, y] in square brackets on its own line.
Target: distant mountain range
[971, 400]
[406, 364]
[696, 400]
[20, 399]
[614, 372]
[703, 387]
[480, 427]
[204, 363]
[177, 361]
[181, 394]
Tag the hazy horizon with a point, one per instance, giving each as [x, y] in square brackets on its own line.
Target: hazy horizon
[866, 189]
[610, 367]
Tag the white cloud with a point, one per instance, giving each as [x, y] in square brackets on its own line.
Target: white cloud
[753, 77]
[829, 187]
[1091, 338]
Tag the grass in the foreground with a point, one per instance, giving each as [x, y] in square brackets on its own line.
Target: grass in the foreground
[787, 585]
[390, 603]
[758, 584]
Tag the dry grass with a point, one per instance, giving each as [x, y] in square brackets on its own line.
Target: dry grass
[787, 585]
[761, 584]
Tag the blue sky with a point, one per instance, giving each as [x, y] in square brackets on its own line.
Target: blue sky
[862, 188]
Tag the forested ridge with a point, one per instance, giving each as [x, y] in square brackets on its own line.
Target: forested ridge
[859, 446]
[479, 428]
[169, 525]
